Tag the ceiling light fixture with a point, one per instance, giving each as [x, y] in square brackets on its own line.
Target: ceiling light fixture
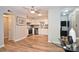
[66, 10]
[39, 14]
[32, 10]
[35, 10]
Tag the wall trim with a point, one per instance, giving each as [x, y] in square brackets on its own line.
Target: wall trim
[20, 39]
[53, 42]
[49, 41]
[56, 43]
[1, 46]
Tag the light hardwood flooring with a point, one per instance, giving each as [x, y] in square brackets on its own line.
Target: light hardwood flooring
[35, 43]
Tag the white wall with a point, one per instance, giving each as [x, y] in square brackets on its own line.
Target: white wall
[1, 32]
[17, 32]
[63, 18]
[74, 18]
[54, 24]
[20, 31]
[1, 28]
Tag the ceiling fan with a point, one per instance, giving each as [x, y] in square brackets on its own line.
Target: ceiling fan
[34, 10]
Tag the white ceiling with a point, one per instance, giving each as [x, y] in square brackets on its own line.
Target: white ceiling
[42, 10]
[25, 10]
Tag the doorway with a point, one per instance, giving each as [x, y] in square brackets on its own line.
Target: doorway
[7, 23]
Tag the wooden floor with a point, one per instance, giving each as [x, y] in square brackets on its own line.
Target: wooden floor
[31, 44]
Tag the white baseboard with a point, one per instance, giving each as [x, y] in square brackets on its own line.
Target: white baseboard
[19, 39]
[49, 41]
[1, 46]
[54, 42]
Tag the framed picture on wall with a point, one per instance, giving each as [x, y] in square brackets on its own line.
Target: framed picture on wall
[20, 21]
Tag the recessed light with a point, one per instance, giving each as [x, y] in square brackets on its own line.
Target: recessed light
[32, 11]
[66, 10]
[39, 14]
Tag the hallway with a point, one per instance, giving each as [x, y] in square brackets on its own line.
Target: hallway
[35, 43]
